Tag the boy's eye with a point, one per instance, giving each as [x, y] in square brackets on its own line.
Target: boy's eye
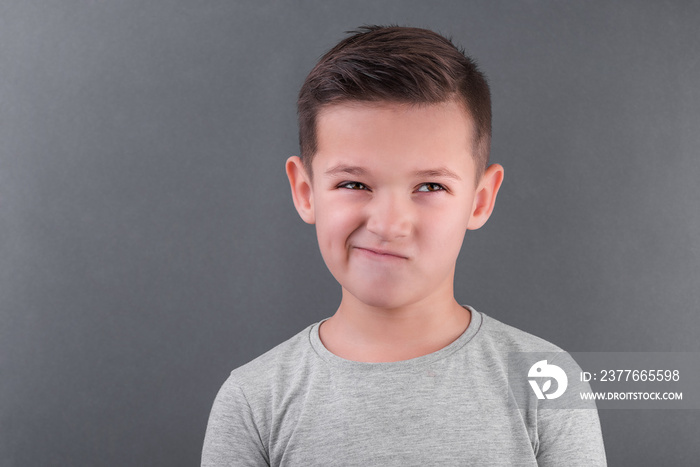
[429, 187]
[353, 186]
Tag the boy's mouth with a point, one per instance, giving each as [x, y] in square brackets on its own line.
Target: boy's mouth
[380, 253]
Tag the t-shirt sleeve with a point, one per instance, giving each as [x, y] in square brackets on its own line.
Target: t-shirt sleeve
[232, 437]
[570, 437]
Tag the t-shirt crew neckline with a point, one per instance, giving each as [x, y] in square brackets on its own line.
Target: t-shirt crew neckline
[333, 359]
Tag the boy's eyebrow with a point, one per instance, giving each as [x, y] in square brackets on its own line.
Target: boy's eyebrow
[345, 169]
[440, 172]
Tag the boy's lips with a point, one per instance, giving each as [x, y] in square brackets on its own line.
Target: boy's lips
[380, 253]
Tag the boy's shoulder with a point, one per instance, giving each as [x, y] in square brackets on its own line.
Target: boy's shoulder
[507, 338]
[277, 364]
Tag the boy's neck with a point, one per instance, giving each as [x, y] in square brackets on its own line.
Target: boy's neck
[363, 333]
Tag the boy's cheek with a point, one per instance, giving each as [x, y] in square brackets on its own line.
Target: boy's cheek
[335, 211]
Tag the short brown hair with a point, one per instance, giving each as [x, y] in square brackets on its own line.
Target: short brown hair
[395, 64]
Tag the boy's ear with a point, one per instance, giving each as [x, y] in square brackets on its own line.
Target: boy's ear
[485, 197]
[302, 194]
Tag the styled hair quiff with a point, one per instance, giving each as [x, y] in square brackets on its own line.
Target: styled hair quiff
[395, 64]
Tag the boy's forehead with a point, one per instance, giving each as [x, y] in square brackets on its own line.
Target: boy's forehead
[368, 115]
[374, 131]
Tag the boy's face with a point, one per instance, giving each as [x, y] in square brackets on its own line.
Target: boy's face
[392, 194]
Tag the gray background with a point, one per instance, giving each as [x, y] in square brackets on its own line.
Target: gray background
[149, 245]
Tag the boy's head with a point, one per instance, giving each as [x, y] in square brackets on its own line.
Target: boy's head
[395, 65]
[396, 124]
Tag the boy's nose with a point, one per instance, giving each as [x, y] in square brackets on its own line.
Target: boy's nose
[389, 218]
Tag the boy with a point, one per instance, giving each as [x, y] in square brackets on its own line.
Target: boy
[395, 128]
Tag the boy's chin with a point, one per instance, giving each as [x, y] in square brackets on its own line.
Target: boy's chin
[381, 299]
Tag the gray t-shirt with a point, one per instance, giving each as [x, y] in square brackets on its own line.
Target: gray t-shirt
[301, 405]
